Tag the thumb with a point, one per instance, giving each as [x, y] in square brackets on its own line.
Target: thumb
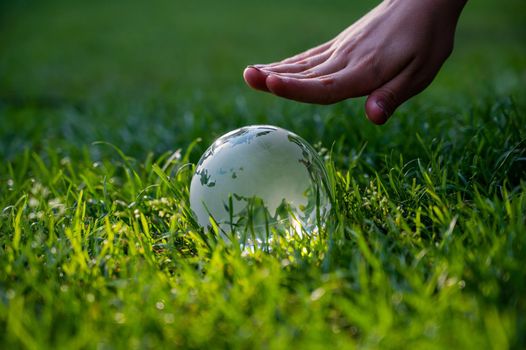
[383, 101]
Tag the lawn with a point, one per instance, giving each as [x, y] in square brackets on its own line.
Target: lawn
[105, 108]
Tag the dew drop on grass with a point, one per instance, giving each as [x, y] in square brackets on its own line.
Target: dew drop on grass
[90, 298]
[159, 305]
[257, 180]
[317, 294]
[120, 317]
[10, 294]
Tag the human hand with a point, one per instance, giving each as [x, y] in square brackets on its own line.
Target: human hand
[391, 54]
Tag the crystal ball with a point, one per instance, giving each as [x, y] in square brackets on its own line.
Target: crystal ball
[259, 180]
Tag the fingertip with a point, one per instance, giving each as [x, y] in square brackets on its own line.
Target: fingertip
[376, 111]
[255, 78]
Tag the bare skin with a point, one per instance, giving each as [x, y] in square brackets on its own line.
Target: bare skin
[390, 54]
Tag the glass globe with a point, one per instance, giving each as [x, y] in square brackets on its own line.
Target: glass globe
[257, 181]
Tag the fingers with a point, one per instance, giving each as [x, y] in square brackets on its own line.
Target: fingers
[326, 89]
[323, 89]
[329, 82]
[303, 90]
[256, 75]
[298, 66]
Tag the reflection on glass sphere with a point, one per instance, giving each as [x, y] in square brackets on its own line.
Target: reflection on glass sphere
[259, 180]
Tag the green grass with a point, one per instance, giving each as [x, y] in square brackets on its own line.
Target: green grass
[97, 249]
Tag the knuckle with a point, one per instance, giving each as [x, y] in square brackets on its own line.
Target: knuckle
[372, 64]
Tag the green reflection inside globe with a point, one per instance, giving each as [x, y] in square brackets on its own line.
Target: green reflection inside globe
[259, 180]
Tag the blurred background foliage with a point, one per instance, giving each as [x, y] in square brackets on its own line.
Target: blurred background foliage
[155, 75]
